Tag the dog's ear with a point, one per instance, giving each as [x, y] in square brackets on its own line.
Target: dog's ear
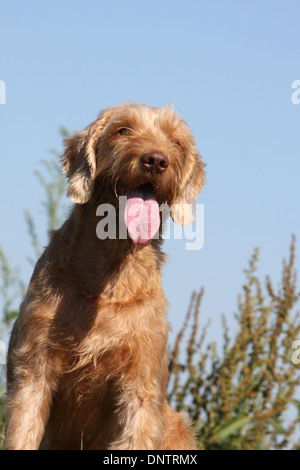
[78, 164]
[182, 210]
[79, 159]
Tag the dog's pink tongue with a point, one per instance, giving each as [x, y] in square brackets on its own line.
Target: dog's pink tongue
[141, 216]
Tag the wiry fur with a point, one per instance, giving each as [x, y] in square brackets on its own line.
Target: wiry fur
[87, 360]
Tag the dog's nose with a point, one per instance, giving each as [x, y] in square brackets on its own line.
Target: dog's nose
[155, 161]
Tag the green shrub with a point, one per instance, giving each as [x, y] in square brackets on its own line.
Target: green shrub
[245, 397]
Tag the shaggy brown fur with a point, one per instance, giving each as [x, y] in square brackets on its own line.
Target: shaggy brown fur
[87, 360]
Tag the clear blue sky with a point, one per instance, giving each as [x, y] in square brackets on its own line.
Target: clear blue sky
[228, 66]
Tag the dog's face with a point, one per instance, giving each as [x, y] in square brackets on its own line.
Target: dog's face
[133, 147]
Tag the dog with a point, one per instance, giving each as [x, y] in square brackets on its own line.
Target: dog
[87, 362]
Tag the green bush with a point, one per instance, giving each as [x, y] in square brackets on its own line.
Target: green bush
[245, 397]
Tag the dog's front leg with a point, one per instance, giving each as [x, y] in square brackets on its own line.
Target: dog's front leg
[31, 380]
[27, 410]
[140, 420]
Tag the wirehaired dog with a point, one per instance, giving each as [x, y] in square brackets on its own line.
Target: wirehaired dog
[87, 360]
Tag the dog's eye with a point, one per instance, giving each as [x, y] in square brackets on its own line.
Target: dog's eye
[178, 143]
[124, 131]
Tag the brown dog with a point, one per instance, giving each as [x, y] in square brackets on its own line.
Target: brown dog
[87, 362]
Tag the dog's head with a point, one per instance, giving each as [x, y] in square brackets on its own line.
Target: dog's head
[135, 149]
